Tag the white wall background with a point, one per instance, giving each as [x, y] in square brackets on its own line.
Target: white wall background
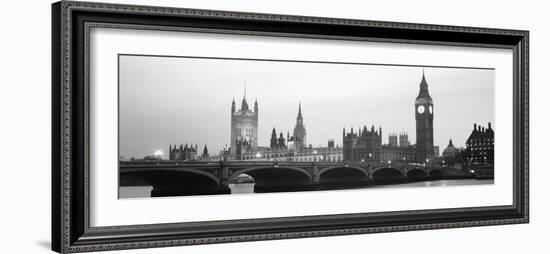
[25, 125]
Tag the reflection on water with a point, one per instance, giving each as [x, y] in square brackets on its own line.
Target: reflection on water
[134, 191]
[239, 188]
[455, 182]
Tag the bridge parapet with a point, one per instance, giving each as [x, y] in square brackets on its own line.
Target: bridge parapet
[225, 171]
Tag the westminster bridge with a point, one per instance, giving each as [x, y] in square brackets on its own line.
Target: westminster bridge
[170, 178]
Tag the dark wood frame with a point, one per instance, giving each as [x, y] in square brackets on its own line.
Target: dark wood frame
[71, 231]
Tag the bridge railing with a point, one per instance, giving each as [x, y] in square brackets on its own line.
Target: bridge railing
[178, 163]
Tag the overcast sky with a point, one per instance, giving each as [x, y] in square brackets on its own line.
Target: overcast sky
[167, 100]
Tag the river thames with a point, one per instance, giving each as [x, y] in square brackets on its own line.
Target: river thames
[434, 183]
[248, 188]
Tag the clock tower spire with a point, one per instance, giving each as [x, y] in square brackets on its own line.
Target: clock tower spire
[424, 123]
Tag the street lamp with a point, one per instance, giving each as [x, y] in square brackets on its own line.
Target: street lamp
[158, 154]
[258, 155]
[370, 156]
[224, 151]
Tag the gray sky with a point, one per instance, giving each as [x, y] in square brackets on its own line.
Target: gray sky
[167, 100]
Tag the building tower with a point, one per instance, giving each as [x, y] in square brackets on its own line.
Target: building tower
[244, 126]
[281, 141]
[299, 131]
[480, 146]
[392, 140]
[273, 141]
[424, 123]
[205, 152]
[404, 139]
[182, 153]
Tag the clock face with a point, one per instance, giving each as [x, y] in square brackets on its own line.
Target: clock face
[431, 109]
[421, 109]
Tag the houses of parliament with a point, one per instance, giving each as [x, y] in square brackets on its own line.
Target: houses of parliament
[244, 139]
[367, 145]
[364, 144]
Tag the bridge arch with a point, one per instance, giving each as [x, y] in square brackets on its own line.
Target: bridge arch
[167, 181]
[249, 171]
[436, 173]
[387, 168]
[416, 174]
[387, 175]
[343, 176]
[364, 171]
[194, 171]
[273, 178]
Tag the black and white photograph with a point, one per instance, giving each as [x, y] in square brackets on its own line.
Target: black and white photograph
[210, 124]
[191, 125]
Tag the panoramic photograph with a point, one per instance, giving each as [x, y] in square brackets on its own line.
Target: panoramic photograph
[222, 126]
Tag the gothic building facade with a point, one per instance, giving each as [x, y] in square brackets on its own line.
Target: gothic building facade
[244, 127]
[480, 145]
[277, 143]
[362, 145]
[404, 139]
[299, 134]
[182, 153]
[289, 148]
[424, 115]
[367, 145]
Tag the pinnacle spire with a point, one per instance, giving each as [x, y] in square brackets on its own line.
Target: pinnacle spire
[424, 78]
[423, 93]
[300, 110]
[244, 103]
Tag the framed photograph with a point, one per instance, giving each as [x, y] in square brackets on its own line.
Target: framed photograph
[182, 126]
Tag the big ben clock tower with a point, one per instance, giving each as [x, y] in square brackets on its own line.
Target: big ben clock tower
[424, 115]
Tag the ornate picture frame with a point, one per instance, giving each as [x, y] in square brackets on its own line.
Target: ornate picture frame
[71, 201]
